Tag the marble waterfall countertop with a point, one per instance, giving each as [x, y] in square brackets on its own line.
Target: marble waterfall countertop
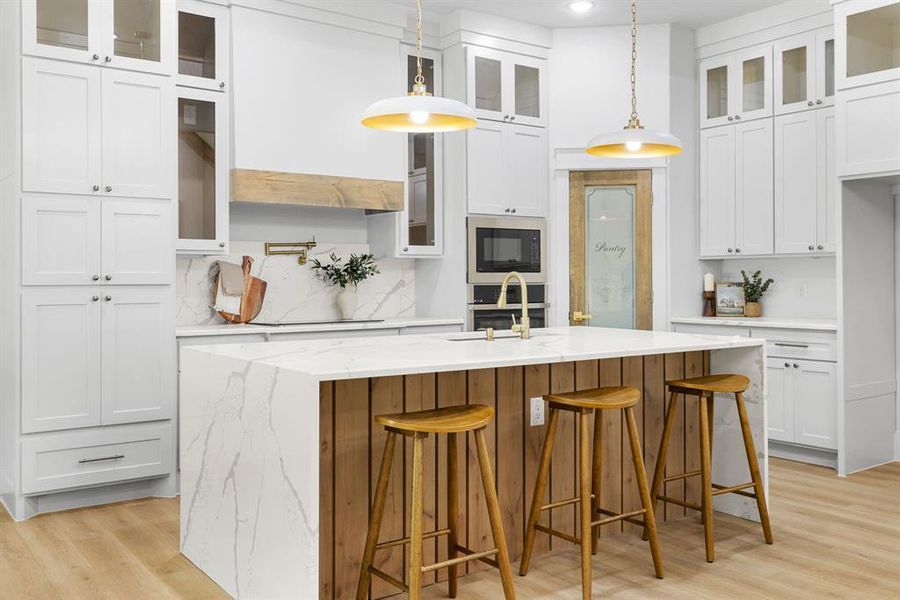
[326, 360]
[216, 329]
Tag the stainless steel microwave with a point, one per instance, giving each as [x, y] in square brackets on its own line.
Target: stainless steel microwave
[498, 245]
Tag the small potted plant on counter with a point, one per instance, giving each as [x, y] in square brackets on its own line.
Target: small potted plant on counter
[358, 268]
[754, 288]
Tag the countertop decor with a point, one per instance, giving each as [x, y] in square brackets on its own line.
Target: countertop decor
[346, 276]
[754, 288]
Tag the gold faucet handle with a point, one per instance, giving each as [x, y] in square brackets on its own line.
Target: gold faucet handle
[578, 316]
[515, 326]
[488, 333]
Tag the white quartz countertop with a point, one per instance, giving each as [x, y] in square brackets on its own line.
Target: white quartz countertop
[350, 358]
[774, 322]
[250, 328]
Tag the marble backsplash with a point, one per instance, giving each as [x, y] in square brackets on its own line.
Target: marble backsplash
[294, 293]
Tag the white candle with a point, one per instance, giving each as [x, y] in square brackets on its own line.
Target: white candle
[709, 283]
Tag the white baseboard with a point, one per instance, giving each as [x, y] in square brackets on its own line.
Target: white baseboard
[804, 454]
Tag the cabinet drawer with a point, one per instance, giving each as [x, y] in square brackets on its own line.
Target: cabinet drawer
[59, 461]
[789, 343]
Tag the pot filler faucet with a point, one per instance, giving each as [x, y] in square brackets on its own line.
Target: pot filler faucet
[523, 328]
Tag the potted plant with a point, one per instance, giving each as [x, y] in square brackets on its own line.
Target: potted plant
[754, 288]
[347, 276]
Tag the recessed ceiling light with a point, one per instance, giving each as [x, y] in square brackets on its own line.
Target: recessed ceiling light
[580, 6]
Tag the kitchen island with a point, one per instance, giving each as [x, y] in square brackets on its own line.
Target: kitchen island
[278, 450]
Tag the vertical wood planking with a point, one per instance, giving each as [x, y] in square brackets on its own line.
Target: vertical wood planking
[481, 390]
[632, 375]
[351, 482]
[587, 376]
[419, 394]
[611, 486]
[511, 424]
[326, 490]
[536, 383]
[562, 471]
[654, 413]
[451, 391]
[693, 367]
[675, 460]
[386, 397]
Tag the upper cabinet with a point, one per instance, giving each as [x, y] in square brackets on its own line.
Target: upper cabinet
[502, 86]
[202, 45]
[736, 87]
[804, 71]
[867, 37]
[128, 34]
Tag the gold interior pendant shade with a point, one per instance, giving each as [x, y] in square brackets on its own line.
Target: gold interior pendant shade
[419, 111]
[634, 141]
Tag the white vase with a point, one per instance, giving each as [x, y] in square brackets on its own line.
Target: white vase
[346, 302]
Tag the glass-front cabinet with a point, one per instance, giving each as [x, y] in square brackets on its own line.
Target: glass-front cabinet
[736, 87]
[203, 183]
[868, 35]
[202, 45]
[804, 71]
[507, 87]
[129, 34]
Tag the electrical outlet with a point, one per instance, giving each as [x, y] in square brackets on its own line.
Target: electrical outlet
[537, 411]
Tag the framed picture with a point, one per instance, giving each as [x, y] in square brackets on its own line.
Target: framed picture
[729, 299]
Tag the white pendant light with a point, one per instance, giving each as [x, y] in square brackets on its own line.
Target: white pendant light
[419, 111]
[634, 141]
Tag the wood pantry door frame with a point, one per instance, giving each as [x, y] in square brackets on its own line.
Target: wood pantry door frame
[642, 180]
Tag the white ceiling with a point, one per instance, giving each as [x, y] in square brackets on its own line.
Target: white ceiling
[553, 13]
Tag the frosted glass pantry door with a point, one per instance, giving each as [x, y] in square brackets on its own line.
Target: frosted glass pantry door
[610, 255]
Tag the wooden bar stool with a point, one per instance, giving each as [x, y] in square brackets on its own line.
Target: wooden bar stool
[584, 403]
[417, 425]
[705, 389]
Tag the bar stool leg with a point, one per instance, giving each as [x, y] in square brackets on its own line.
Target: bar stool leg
[415, 528]
[452, 510]
[706, 477]
[490, 496]
[754, 468]
[540, 486]
[384, 475]
[597, 468]
[659, 472]
[584, 467]
[644, 489]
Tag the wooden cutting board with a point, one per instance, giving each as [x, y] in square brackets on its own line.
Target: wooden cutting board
[251, 301]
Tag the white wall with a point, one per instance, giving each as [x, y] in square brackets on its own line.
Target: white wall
[804, 286]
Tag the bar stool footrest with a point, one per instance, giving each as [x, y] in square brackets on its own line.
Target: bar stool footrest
[461, 559]
[671, 500]
[680, 476]
[559, 534]
[403, 541]
[391, 580]
[561, 503]
[614, 517]
[733, 489]
[484, 559]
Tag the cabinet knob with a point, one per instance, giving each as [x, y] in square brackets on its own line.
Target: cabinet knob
[108, 59]
[107, 188]
[505, 210]
[737, 250]
[512, 210]
[96, 188]
[737, 117]
[221, 244]
[811, 247]
[405, 249]
[221, 85]
[95, 57]
[820, 247]
[96, 278]
[810, 103]
[787, 365]
[730, 118]
[96, 298]
[512, 117]
[796, 366]
[108, 298]
[108, 278]
[818, 102]
[730, 250]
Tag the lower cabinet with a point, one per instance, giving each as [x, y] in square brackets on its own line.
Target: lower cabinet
[801, 402]
[99, 355]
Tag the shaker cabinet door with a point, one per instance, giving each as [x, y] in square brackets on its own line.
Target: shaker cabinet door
[815, 404]
[826, 212]
[137, 242]
[138, 332]
[60, 359]
[753, 188]
[60, 240]
[486, 181]
[138, 137]
[526, 170]
[60, 127]
[717, 191]
[779, 401]
[796, 183]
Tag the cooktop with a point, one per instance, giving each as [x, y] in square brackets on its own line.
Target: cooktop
[318, 322]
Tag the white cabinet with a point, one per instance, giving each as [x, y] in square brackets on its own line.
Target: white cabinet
[805, 182]
[114, 33]
[138, 379]
[736, 87]
[60, 359]
[203, 173]
[93, 356]
[507, 87]
[804, 71]
[507, 170]
[868, 130]
[866, 42]
[779, 404]
[736, 216]
[60, 127]
[202, 45]
[86, 241]
[815, 410]
[74, 143]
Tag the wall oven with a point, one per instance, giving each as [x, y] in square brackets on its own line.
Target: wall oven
[483, 311]
[498, 245]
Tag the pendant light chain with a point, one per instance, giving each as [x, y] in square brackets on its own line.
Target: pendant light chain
[633, 122]
[419, 88]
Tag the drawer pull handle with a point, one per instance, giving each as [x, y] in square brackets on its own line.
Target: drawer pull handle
[91, 460]
[785, 345]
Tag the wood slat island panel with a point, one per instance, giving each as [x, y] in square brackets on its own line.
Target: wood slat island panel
[351, 446]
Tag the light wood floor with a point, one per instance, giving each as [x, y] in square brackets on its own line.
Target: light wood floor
[834, 538]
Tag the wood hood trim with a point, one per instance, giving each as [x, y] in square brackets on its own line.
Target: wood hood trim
[303, 189]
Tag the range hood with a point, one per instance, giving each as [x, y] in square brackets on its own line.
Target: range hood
[304, 189]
